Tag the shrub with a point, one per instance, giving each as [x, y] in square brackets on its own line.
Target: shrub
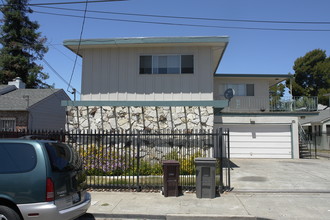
[101, 161]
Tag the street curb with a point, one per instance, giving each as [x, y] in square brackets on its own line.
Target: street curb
[92, 216]
[208, 217]
[102, 216]
[247, 191]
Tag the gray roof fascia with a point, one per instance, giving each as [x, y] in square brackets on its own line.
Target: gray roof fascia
[223, 52]
[221, 75]
[147, 40]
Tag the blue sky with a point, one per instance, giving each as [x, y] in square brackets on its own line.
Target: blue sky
[249, 51]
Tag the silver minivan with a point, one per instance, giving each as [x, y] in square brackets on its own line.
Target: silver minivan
[41, 179]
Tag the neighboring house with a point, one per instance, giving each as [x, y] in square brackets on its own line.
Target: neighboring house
[22, 108]
[319, 127]
[170, 83]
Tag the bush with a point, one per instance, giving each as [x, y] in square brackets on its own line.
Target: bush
[109, 161]
[102, 161]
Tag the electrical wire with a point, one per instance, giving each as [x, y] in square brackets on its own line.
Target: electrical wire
[59, 75]
[53, 46]
[80, 37]
[190, 25]
[193, 18]
[79, 2]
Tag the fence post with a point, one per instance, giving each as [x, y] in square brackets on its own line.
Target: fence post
[138, 187]
[315, 147]
[219, 146]
[228, 159]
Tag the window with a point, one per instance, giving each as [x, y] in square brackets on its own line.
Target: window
[166, 64]
[7, 124]
[17, 158]
[242, 89]
[62, 157]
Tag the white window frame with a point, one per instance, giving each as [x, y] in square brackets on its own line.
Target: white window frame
[4, 122]
[155, 60]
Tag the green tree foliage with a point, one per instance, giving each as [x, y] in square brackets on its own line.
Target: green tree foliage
[277, 90]
[22, 46]
[312, 75]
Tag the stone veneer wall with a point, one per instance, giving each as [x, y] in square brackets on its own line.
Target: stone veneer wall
[139, 118]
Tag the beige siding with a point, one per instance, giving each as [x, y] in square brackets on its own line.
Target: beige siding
[113, 74]
[258, 102]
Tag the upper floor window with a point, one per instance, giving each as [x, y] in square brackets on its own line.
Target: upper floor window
[242, 89]
[166, 64]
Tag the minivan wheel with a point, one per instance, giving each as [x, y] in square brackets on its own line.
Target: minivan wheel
[7, 213]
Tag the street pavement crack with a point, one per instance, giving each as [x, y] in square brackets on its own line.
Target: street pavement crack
[243, 205]
[116, 205]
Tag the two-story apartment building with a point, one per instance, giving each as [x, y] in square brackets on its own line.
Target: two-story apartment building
[170, 83]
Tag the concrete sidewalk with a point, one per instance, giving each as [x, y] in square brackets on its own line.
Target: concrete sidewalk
[263, 189]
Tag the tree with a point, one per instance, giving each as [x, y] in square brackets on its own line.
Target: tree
[22, 46]
[312, 75]
[277, 90]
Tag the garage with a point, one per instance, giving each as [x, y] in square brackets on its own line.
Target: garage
[260, 141]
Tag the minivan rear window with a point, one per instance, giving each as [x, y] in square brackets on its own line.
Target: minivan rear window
[17, 158]
[63, 157]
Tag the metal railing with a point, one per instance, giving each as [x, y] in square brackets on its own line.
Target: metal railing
[271, 104]
[320, 143]
[305, 145]
[295, 103]
[121, 159]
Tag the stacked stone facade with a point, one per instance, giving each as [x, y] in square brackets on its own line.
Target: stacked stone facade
[139, 118]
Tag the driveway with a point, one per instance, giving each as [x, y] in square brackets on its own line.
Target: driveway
[280, 175]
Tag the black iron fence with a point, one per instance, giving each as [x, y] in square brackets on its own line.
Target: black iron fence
[121, 159]
[319, 145]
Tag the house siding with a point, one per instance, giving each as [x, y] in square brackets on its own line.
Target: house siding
[49, 114]
[258, 102]
[113, 74]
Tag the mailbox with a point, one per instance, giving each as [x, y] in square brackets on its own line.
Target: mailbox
[205, 177]
[171, 169]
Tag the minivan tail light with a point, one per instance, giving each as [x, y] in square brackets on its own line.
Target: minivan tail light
[50, 194]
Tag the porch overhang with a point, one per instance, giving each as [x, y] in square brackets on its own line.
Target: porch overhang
[273, 79]
[218, 104]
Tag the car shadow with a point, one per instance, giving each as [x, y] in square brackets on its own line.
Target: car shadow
[87, 216]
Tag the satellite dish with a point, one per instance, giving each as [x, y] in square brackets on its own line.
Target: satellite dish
[229, 93]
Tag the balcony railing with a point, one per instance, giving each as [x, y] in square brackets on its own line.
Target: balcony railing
[271, 104]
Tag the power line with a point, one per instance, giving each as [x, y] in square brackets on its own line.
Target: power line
[80, 37]
[53, 46]
[66, 3]
[51, 68]
[190, 25]
[194, 18]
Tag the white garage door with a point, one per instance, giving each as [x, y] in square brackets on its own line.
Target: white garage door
[260, 141]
